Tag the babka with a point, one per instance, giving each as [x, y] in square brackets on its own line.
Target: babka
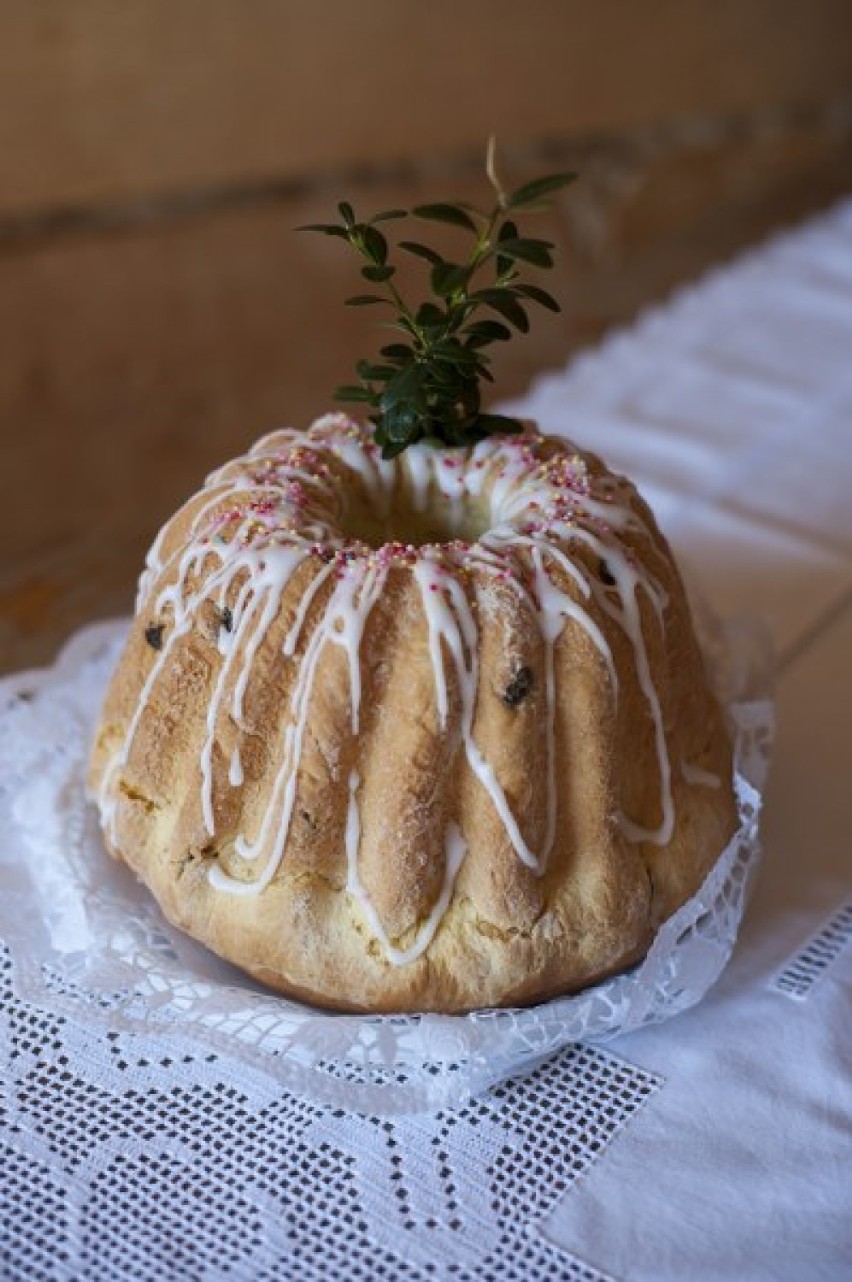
[429, 733]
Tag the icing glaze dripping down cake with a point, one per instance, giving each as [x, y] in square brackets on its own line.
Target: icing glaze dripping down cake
[422, 734]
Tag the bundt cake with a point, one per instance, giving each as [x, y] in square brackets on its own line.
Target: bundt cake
[428, 733]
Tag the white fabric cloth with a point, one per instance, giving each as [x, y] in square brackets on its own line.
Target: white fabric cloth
[714, 1146]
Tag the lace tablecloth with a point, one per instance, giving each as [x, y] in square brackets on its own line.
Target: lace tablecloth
[715, 1145]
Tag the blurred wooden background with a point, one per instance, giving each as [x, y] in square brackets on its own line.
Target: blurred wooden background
[157, 310]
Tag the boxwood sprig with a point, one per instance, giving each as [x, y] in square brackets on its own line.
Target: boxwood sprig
[427, 385]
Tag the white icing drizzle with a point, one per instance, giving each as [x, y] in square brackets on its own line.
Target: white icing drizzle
[450, 620]
[343, 624]
[266, 516]
[419, 476]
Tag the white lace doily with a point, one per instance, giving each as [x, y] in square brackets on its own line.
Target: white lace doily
[87, 941]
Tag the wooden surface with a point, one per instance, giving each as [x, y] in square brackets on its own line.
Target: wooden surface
[115, 100]
[157, 309]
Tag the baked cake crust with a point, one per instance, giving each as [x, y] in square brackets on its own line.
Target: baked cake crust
[476, 764]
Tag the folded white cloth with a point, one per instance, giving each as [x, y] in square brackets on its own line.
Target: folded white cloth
[733, 407]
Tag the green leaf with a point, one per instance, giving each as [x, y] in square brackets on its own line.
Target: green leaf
[428, 316]
[508, 231]
[402, 423]
[347, 213]
[421, 251]
[398, 352]
[326, 229]
[444, 390]
[390, 449]
[533, 192]
[363, 300]
[536, 252]
[449, 278]
[406, 386]
[487, 331]
[389, 213]
[503, 302]
[445, 214]
[374, 243]
[377, 274]
[538, 296]
[453, 352]
[374, 373]
[349, 392]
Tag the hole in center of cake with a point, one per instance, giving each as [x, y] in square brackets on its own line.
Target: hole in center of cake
[434, 519]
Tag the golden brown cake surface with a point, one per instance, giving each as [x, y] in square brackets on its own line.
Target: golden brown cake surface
[429, 734]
